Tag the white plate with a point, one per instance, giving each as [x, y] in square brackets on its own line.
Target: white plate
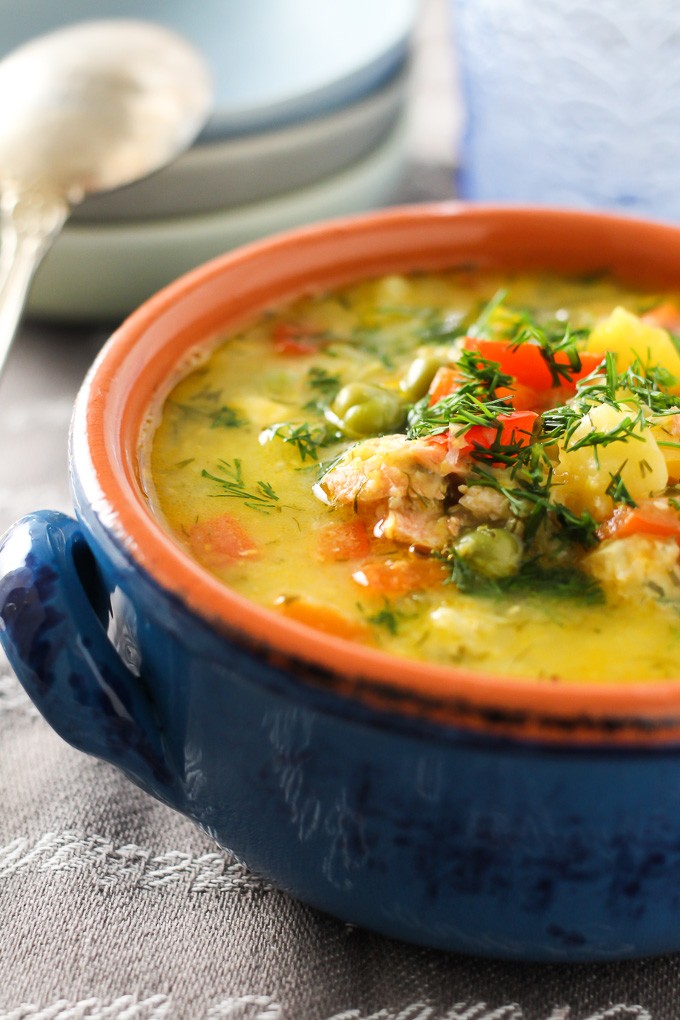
[100, 272]
[273, 62]
[251, 168]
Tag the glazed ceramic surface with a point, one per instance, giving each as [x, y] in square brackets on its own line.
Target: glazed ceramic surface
[472, 813]
[256, 167]
[102, 271]
[272, 63]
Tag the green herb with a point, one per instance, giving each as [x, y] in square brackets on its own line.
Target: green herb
[260, 497]
[480, 325]
[324, 382]
[474, 402]
[533, 579]
[226, 417]
[208, 395]
[307, 438]
[386, 618]
[618, 491]
[551, 338]
[428, 325]
[218, 418]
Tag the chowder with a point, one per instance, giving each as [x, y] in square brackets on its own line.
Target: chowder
[470, 469]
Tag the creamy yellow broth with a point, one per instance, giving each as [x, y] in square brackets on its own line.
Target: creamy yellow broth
[236, 465]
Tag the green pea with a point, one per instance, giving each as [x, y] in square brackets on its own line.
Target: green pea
[493, 552]
[419, 375]
[351, 395]
[361, 409]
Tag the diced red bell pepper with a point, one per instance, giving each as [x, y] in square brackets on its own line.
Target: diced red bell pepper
[446, 381]
[516, 430]
[526, 364]
[653, 517]
[291, 338]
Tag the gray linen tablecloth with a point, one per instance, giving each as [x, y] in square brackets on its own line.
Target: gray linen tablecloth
[112, 907]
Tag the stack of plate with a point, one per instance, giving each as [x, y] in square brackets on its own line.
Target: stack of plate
[308, 123]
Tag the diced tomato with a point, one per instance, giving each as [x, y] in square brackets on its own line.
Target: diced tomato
[346, 541]
[291, 338]
[654, 517]
[220, 541]
[446, 381]
[393, 578]
[324, 618]
[526, 363]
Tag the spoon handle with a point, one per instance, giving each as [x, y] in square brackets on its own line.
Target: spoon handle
[29, 224]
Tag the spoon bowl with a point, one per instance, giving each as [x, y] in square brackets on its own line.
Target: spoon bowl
[86, 108]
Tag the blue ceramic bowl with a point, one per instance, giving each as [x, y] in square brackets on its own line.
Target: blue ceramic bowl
[474, 813]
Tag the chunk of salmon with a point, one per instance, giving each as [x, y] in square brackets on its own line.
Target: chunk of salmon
[400, 483]
[385, 468]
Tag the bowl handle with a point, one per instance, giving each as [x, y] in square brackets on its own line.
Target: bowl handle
[53, 609]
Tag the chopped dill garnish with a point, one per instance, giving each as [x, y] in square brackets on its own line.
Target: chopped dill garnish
[260, 497]
[223, 417]
[323, 382]
[474, 402]
[226, 417]
[618, 491]
[533, 579]
[307, 438]
[386, 618]
[551, 338]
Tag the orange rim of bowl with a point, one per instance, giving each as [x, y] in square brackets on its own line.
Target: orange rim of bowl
[134, 369]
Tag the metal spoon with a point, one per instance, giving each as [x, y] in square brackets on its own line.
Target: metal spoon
[86, 108]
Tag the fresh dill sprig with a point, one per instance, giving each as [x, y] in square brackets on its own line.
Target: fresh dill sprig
[260, 497]
[618, 491]
[226, 417]
[323, 382]
[533, 579]
[473, 402]
[552, 339]
[305, 437]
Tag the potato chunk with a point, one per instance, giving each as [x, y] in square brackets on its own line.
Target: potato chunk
[582, 476]
[628, 337]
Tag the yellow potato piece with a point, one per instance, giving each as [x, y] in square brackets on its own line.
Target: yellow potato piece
[582, 476]
[629, 338]
[666, 431]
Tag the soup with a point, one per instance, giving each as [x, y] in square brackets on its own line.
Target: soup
[476, 470]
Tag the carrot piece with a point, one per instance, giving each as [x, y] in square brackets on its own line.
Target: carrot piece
[220, 541]
[397, 577]
[346, 541]
[324, 618]
[654, 517]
